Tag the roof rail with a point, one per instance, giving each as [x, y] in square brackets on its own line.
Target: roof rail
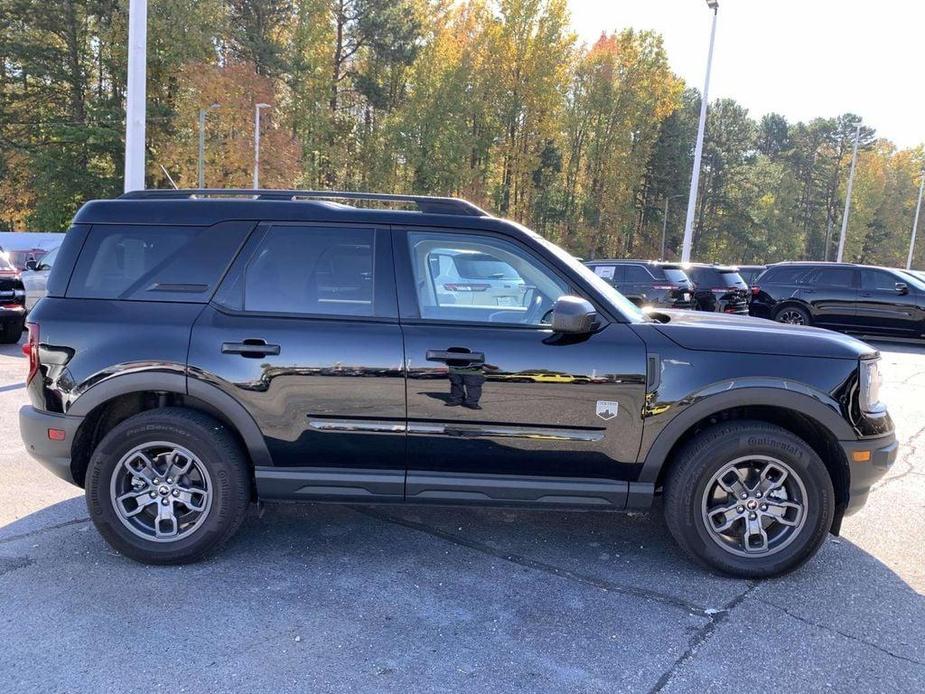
[424, 203]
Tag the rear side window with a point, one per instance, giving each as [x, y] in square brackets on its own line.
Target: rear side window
[675, 275]
[833, 277]
[309, 271]
[155, 263]
[636, 274]
[784, 275]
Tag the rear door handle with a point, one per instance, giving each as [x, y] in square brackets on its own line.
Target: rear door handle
[446, 355]
[252, 348]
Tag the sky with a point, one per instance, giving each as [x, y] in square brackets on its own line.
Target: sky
[800, 58]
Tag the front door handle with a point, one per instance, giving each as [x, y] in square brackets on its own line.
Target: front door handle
[447, 355]
[253, 348]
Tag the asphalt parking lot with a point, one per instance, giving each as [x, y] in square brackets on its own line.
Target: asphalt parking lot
[338, 598]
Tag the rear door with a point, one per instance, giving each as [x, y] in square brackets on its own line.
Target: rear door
[883, 308]
[303, 332]
[832, 292]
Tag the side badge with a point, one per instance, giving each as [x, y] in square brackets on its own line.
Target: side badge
[607, 409]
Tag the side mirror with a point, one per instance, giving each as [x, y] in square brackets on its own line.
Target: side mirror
[32, 264]
[572, 315]
[902, 288]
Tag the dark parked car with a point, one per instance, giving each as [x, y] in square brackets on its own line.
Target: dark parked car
[12, 302]
[197, 351]
[718, 288]
[843, 296]
[749, 273]
[646, 282]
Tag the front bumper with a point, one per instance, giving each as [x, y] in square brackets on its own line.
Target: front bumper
[55, 455]
[868, 461]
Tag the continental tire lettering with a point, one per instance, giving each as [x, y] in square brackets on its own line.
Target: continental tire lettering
[756, 441]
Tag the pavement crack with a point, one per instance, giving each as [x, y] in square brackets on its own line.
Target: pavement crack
[11, 564]
[536, 565]
[911, 446]
[839, 632]
[701, 637]
[39, 531]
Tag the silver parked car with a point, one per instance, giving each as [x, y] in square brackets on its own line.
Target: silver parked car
[35, 277]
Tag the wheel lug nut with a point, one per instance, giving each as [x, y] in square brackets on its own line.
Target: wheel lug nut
[164, 502]
[744, 495]
[156, 481]
[758, 494]
[764, 507]
[169, 480]
[740, 508]
[152, 494]
[176, 492]
[753, 516]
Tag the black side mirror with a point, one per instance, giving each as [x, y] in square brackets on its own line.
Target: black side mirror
[572, 315]
[32, 264]
[902, 288]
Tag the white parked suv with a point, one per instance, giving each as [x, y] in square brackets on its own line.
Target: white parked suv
[35, 277]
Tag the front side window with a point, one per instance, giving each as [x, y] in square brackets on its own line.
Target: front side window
[637, 275]
[878, 280]
[309, 270]
[468, 277]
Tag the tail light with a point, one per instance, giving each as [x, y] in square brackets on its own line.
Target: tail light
[31, 350]
[453, 287]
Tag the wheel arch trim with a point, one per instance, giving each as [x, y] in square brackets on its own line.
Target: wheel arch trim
[805, 404]
[159, 381]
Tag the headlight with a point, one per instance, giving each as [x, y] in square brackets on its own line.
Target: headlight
[870, 385]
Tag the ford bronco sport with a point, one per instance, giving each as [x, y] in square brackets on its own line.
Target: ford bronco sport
[200, 350]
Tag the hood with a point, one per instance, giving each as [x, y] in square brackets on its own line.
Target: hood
[716, 332]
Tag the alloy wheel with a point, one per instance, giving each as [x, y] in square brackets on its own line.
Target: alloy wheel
[161, 491]
[791, 316]
[754, 506]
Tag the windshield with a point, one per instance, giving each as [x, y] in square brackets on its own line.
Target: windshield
[620, 302]
[916, 279]
[730, 278]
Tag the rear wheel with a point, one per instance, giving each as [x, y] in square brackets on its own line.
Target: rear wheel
[168, 486]
[749, 499]
[11, 332]
[794, 315]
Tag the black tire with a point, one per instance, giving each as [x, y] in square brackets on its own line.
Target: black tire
[229, 480]
[686, 498]
[11, 332]
[794, 315]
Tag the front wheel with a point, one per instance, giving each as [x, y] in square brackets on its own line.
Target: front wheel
[168, 486]
[749, 499]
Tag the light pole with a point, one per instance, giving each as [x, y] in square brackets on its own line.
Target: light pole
[844, 219]
[257, 109]
[698, 150]
[135, 96]
[665, 222]
[915, 224]
[202, 144]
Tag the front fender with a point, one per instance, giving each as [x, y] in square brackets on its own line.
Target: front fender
[789, 395]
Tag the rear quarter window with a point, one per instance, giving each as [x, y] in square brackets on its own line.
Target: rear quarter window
[155, 263]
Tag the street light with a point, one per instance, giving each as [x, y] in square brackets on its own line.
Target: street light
[135, 96]
[915, 224]
[257, 110]
[202, 144]
[844, 219]
[698, 150]
[665, 222]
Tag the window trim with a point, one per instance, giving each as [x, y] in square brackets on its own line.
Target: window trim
[384, 292]
[408, 301]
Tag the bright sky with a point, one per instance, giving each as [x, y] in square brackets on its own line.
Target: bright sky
[801, 58]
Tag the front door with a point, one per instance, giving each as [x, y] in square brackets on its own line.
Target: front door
[304, 333]
[884, 309]
[500, 408]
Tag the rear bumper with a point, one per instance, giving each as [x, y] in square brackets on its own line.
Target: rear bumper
[868, 461]
[53, 455]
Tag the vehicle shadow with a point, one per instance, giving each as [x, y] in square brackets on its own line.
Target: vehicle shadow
[14, 350]
[431, 583]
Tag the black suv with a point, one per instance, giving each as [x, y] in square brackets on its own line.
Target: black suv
[199, 350]
[12, 302]
[719, 288]
[646, 282]
[853, 298]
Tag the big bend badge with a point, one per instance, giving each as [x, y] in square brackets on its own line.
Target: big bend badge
[607, 409]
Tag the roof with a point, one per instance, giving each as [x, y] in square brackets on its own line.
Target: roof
[207, 207]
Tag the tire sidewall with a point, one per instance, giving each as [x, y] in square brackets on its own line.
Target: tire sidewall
[775, 443]
[807, 318]
[197, 439]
